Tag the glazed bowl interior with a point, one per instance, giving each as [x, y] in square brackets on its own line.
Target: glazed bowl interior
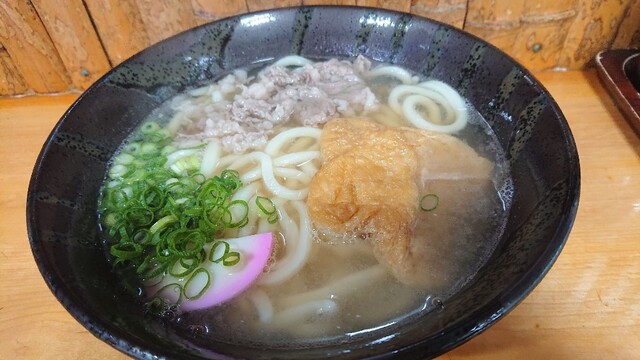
[64, 188]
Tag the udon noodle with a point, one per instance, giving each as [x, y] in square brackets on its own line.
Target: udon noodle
[318, 283]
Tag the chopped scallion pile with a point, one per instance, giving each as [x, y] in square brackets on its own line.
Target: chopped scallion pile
[160, 213]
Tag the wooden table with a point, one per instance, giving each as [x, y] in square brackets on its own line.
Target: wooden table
[588, 306]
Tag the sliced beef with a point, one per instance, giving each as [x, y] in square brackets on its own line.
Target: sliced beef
[243, 114]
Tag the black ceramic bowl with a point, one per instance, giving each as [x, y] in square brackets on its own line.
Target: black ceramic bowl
[61, 204]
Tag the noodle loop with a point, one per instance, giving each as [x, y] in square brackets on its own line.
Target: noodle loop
[445, 110]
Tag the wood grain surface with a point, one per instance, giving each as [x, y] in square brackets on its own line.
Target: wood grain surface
[30, 49]
[53, 46]
[163, 18]
[397, 5]
[593, 29]
[587, 307]
[628, 35]
[452, 12]
[11, 81]
[206, 10]
[329, 2]
[75, 39]
[256, 5]
[119, 23]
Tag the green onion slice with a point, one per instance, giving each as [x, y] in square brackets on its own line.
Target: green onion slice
[243, 208]
[231, 258]
[126, 250]
[429, 202]
[162, 223]
[215, 255]
[273, 218]
[189, 284]
[266, 205]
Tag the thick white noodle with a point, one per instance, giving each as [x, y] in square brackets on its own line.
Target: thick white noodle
[265, 171]
[297, 249]
[451, 94]
[455, 99]
[405, 99]
[409, 106]
[295, 174]
[304, 144]
[251, 175]
[296, 158]
[395, 72]
[210, 158]
[263, 305]
[228, 160]
[287, 177]
[302, 313]
[456, 103]
[290, 228]
[431, 110]
[399, 92]
[268, 177]
[246, 193]
[292, 60]
[240, 162]
[278, 141]
[309, 168]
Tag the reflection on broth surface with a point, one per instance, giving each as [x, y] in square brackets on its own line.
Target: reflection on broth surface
[374, 194]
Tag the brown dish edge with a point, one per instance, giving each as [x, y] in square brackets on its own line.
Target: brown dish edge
[611, 69]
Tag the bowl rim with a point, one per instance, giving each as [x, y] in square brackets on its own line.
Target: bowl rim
[510, 297]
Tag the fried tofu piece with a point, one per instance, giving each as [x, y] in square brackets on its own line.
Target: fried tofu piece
[367, 191]
[371, 183]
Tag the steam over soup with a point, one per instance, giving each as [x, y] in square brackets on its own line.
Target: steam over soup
[306, 201]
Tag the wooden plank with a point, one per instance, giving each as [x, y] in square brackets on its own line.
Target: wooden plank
[398, 5]
[495, 22]
[73, 35]
[493, 14]
[593, 30]
[209, 10]
[329, 2]
[545, 10]
[26, 40]
[119, 26]
[533, 32]
[164, 18]
[538, 45]
[452, 12]
[628, 35]
[11, 82]
[256, 5]
[542, 35]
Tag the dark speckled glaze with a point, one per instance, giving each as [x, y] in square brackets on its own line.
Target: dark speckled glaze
[61, 203]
